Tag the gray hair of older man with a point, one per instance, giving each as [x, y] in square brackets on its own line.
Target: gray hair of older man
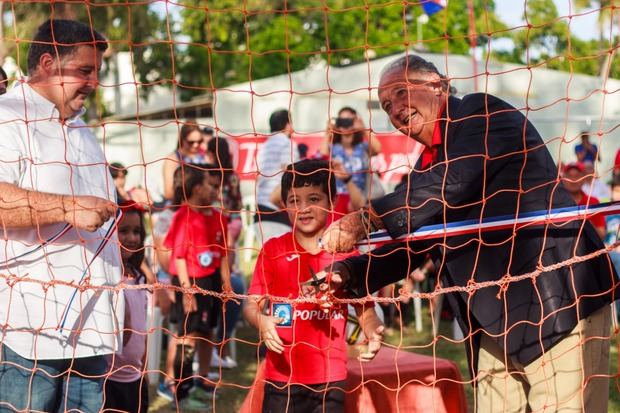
[415, 64]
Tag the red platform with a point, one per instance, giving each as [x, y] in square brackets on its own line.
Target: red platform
[395, 381]
[401, 381]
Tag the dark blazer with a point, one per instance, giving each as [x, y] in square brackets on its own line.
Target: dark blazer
[493, 162]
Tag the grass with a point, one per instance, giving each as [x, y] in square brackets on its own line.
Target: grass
[235, 383]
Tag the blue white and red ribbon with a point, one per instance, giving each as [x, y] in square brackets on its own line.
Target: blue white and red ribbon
[104, 241]
[51, 240]
[526, 219]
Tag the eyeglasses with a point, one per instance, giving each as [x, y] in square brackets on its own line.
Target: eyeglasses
[192, 143]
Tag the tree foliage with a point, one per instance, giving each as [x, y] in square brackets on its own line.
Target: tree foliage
[212, 44]
[127, 24]
[235, 43]
[547, 40]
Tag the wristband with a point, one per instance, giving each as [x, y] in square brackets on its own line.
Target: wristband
[347, 179]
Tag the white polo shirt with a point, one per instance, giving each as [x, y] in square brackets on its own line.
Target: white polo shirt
[38, 152]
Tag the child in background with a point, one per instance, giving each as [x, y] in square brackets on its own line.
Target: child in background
[126, 389]
[161, 224]
[573, 177]
[218, 153]
[612, 224]
[306, 358]
[197, 238]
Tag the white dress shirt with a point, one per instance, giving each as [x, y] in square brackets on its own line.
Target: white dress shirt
[41, 153]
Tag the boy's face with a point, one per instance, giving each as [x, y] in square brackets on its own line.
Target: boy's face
[209, 190]
[615, 193]
[308, 209]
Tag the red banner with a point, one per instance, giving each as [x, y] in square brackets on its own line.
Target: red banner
[397, 157]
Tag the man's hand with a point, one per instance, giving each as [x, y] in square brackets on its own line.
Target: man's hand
[269, 334]
[342, 235]
[87, 212]
[325, 291]
[374, 344]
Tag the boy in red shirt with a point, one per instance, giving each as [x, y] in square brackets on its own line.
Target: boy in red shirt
[306, 357]
[197, 238]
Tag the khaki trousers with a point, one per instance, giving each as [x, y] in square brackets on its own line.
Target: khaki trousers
[573, 376]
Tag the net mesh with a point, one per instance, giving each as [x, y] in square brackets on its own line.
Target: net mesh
[188, 112]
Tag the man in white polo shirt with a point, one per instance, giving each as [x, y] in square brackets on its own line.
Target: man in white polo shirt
[56, 320]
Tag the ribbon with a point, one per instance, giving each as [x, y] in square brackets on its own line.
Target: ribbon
[526, 219]
[103, 243]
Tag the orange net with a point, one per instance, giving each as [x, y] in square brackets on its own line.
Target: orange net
[158, 254]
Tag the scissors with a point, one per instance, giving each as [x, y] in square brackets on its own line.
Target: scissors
[315, 282]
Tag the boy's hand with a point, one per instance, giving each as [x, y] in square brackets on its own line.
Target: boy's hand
[189, 303]
[269, 334]
[374, 345]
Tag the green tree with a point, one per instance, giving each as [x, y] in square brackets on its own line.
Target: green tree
[605, 23]
[234, 43]
[128, 25]
[547, 40]
[448, 30]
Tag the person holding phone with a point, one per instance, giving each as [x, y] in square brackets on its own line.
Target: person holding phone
[348, 142]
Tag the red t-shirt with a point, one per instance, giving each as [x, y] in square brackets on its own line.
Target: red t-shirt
[315, 349]
[341, 208]
[198, 238]
[597, 220]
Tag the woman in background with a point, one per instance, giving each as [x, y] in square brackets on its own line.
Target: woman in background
[187, 151]
[348, 143]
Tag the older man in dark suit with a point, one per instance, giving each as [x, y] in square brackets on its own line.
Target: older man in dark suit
[534, 343]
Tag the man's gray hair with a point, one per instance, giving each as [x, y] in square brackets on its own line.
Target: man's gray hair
[411, 63]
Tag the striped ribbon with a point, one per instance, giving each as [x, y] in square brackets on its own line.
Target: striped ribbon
[471, 226]
[53, 239]
[104, 241]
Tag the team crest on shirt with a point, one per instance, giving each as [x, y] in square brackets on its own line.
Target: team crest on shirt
[205, 259]
[283, 311]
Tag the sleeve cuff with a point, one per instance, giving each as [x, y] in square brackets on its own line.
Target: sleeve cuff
[391, 210]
